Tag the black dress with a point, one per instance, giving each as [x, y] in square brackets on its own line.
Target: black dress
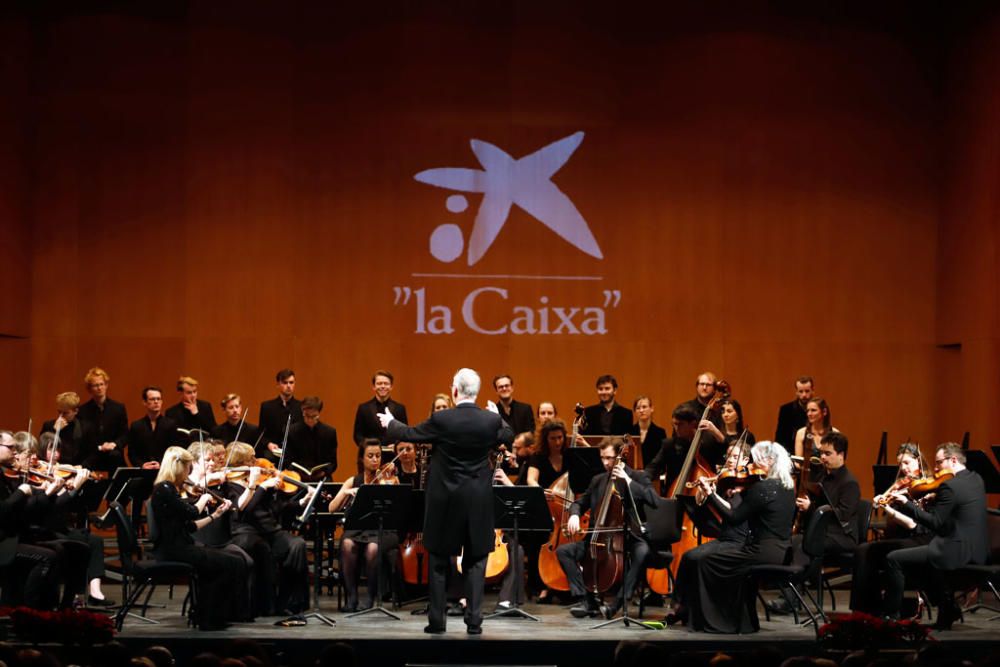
[719, 597]
[546, 473]
[219, 573]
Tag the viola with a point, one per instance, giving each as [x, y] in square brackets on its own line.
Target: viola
[921, 487]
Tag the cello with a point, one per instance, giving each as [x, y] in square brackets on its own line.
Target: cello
[694, 466]
[498, 560]
[413, 555]
[603, 561]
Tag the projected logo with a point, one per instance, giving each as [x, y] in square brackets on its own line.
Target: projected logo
[492, 309]
[504, 182]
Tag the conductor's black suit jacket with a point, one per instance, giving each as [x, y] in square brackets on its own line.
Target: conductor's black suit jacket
[459, 511]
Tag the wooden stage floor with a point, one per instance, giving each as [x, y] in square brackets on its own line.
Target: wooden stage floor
[556, 639]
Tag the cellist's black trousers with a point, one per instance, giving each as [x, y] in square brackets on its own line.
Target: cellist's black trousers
[571, 554]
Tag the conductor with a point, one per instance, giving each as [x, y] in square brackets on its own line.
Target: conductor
[459, 511]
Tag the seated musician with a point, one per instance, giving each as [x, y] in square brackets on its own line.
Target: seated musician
[839, 489]
[516, 463]
[957, 521]
[731, 536]
[355, 542]
[37, 565]
[717, 595]
[629, 485]
[670, 458]
[901, 532]
[256, 526]
[219, 573]
[407, 470]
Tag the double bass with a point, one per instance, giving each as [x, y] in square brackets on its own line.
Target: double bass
[603, 561]
[694, 467]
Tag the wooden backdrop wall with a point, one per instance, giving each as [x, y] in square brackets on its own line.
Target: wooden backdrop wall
[224, 193]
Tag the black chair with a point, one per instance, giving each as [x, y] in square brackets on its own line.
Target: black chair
[661, 533]
[790, 577]
[983, 576]
[837, 567]
[141, 575]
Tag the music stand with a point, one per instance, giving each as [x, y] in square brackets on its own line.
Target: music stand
[582, 463]
[135, 483]
[518, 508]
[978, 462]
[310, 514]
[378, 506]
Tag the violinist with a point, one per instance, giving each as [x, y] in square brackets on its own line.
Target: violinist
[651, 436]
[957, 521]
[717, 597]
[630, 485]
[257, 530]
[901, 532]
[232, 409]
[606, 417]
[33, 571]
[354, 543]
[407, 470]
[732, 536]
[219, 573]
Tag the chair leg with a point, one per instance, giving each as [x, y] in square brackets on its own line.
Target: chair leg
[763, 603]
[791, 603]
[833, 598]
[801, 600]
[149, 595]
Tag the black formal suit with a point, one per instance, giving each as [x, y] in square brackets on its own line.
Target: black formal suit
[650, 447]
[226, 432]
[520, 417]
[791, 417]
[146, 444]
[459, 506]
[958, 522]
[274, 415]
[620, 422]
[77, 442]
[205, 419]
[312, 446]
[367, 425]
[571, 553]
[840, 489]
[110, 423]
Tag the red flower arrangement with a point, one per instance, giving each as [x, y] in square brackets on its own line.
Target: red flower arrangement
[860, 631]
[63, 627]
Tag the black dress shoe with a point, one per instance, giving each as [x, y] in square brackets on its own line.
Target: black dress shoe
[431, 630]
[474, 629]
[780, 607]
[350, 609]
[99, 602]
[586, 607]
[678, 615]
[456, 609]
[610, 610]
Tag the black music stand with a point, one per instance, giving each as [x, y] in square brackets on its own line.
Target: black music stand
[378, 506]
[319, 520]
[310, 514]
[978, 462]
[518, 508]
[134, 483]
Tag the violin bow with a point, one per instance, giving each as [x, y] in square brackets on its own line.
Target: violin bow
[284, 444]
[242, 421]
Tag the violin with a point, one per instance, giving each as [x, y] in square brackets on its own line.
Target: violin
[900, 485]
[202, 490]
[291, 481]
[921, 487]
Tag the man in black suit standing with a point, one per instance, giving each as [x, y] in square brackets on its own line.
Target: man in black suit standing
[459, 511]
[366, 423]
[149, 436]
[958, 522]
[191, 412]
[77, 439]
[792, 415]
[607, 417]
[108, 419]
[519, 416]
[274, 414]
[312, 444]
[226, 431]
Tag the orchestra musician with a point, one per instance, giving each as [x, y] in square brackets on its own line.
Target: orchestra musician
[191, 412]
[718, 597]
[732, 424]
[704, 387]
[276, 412]
[516, 463]
[77, 441]
[901, 532]
[366, 422]
[441, 402]
[257, 530]
[651, 436]
[108, 418]
[606, 417]
[459, 510]
[232, 410]
[547, 463]
[669, 460]
[957, 521]
[792, 415]
[219, 573]
[354, 543]
[519, 416]
[407, 470]
[808, 438]
[546, 410]
[732, 536]
[312, 444]
[631, 485]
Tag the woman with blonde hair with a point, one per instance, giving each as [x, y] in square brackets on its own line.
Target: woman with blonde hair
[173, 520]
